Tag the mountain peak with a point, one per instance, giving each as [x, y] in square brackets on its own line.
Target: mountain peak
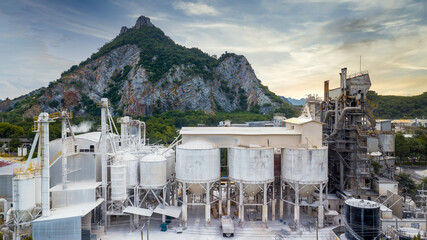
[143, 21]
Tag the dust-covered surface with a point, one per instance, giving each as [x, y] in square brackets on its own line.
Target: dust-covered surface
[197, 230]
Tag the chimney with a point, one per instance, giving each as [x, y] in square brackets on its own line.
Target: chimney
[326, 91]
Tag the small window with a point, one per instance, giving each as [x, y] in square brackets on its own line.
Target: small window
[92, 148]
[329, 206]
[75, 148]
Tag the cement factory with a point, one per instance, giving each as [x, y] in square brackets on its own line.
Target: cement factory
[294, 178]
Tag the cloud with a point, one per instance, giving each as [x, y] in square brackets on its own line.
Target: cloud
[196, 8]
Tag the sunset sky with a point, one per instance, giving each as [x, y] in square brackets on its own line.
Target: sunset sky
[292, 45]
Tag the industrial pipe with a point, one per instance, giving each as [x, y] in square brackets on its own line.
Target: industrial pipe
[9, 212]
[341, 119]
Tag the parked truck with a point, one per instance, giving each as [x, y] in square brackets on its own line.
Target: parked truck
[227, 226]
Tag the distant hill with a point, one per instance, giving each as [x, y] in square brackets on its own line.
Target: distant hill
[293, 101]
[398, 107]
[144, 72]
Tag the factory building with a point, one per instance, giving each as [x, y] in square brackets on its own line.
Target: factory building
[317, 166]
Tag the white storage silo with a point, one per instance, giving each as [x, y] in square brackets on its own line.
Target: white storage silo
[24, 193]
[252, 168]
[132, 166]
[153, 170]
[118, 182]
[197, 168]
[197, 162]
[305, 170]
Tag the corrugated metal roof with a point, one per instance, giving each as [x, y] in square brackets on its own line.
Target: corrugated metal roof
[91, 136]
[78, 210]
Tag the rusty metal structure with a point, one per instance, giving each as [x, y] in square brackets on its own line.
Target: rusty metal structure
[348, 120]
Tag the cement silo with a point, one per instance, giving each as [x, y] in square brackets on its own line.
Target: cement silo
[197, 170]
[24, 194]
[132, 166]
[153, 181]
[118, 182]
[304, 171]
[252, 169]
[153, 171]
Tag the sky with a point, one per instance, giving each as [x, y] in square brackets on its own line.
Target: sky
[293, 45]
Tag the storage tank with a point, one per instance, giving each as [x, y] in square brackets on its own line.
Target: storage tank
[362, 219]
[118, 182]
[305, 166]
[252, 166]
[169, 154]
[153, 170]
[24, 194]
[197, 162]
[132, 166]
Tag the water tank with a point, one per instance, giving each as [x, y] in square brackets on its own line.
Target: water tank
[362, 219]
[131, 162]
[153, 170]
[305, 166]
[118, 182]
[197, 162]
[24, 193]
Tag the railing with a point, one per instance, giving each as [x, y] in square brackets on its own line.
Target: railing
[357, 74]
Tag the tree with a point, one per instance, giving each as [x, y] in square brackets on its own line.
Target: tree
[407, 186]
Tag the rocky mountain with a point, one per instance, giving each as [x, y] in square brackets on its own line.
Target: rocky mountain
[293, 101]
[143, 72]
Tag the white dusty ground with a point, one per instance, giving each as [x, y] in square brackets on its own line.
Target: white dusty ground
[197, 230]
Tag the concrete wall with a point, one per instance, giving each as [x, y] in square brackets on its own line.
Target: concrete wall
[226, 141]
[382, 188]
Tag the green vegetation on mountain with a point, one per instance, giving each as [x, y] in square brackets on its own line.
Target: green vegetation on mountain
[161, 128]
[158, 53]
[398, 107]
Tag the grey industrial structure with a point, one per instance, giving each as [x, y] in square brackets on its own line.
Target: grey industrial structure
[299, 166]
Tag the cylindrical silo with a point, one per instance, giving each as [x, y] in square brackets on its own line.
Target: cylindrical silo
[169, 154]
[305, 166]
[362, 219]
[252, 166]
[153, 170]
[24, 198]
[197, 162]
[252, 170]
[304, 170]
[118, 182]
[132, 166]
[197, 168]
